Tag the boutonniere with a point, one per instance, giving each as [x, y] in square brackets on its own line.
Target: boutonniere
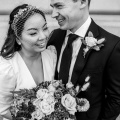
[92, 43]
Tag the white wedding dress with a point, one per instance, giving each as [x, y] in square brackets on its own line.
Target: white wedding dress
[14, 75]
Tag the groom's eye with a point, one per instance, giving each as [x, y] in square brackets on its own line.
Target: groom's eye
[45, 28]
[59, 6]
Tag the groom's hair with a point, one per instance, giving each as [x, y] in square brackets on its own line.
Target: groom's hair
[83, 0]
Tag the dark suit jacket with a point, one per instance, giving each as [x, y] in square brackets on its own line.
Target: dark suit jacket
[104, 69]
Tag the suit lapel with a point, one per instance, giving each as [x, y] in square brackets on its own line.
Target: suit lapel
[81, 61]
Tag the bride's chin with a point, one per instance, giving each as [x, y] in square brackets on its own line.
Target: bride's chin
[41, 49]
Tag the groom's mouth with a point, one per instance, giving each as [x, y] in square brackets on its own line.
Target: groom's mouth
[61, 21]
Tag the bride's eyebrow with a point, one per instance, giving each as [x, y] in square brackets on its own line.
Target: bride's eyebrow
[36, 28]
[31, 29]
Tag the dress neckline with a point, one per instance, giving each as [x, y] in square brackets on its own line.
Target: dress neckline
[29, 70]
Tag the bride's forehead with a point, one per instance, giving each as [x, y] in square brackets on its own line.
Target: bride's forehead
[54, 2]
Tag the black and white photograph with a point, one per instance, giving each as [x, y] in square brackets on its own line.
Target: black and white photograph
[59, 59]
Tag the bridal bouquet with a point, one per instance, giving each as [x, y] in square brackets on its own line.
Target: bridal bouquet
[50, 100]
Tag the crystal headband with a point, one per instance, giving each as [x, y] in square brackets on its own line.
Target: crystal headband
[19, 15]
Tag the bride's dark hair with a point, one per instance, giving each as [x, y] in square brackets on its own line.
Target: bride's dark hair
[11, 46]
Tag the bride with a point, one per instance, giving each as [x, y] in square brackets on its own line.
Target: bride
[25, 62]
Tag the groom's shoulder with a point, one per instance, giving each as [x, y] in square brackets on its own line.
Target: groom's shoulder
[55, 36]
[107, 34]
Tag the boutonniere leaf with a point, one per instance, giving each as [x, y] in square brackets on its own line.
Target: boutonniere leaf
[92, 43]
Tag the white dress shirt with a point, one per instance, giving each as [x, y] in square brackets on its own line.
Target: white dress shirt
[76, 45]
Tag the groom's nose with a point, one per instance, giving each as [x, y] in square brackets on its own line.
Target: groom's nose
[54, 13]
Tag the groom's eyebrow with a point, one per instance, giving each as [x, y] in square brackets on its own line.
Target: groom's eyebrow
[44, 25]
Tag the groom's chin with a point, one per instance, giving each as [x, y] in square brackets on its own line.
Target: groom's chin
[62, 27]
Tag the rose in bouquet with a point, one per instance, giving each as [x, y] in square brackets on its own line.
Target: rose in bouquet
[50, 100]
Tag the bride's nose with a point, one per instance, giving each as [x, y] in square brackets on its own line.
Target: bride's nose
[41, 35]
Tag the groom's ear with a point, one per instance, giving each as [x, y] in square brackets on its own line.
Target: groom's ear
[84, 3]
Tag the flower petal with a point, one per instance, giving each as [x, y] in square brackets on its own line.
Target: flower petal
[87, 78]
[100, 45]
[83, 41]
[77, 88]
[84, 105]
[101, 41]
[97, 48]
[90, 34]
[85, 86]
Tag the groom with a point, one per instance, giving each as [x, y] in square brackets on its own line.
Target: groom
[102, 63]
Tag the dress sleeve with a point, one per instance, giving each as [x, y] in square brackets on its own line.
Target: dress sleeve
[7, 84]
[54, 55]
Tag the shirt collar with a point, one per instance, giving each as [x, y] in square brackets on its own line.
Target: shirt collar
[83, 29]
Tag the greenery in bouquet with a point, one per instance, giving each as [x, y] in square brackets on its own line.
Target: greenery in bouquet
[50, 100]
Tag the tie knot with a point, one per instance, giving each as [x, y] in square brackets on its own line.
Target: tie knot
[71, 38]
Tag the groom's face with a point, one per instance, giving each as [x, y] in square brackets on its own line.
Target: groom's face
[67, 13]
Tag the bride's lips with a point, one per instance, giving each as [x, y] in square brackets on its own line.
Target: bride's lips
[41, 44]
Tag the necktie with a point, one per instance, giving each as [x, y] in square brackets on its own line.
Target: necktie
[66, 59]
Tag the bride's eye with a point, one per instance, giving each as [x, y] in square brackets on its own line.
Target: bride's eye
[32, 34]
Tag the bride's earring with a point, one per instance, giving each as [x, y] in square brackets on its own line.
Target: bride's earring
[18, 41]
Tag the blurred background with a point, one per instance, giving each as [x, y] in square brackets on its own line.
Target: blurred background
[105, 13]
